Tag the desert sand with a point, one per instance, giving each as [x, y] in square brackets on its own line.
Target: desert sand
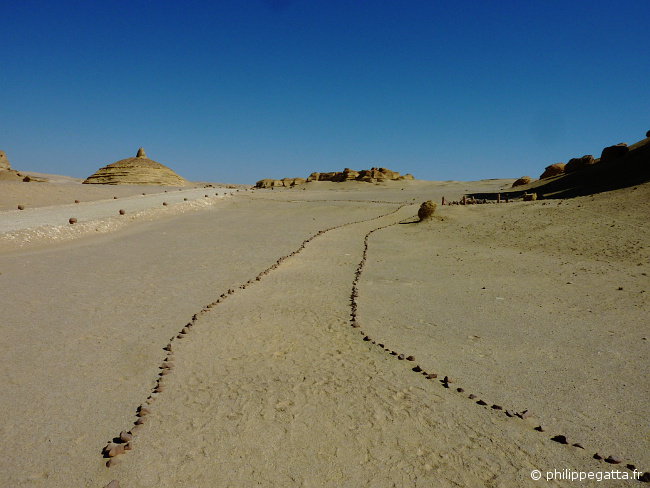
[537, 307]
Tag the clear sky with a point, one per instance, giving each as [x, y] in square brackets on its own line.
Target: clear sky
[236, 91]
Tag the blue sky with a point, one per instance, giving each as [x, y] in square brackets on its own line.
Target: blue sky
[236, 91]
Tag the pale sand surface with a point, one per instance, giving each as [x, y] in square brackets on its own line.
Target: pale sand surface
[272, 387]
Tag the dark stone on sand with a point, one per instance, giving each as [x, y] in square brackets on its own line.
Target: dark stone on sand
[143, 410]
[447, 379]
[401, 357]
[122, 211]
[497, 407]
[539, 428]
[460, 390]
[509, 413]
[481, 402]
[613, 460]
[72, 220]
[578, 445]
[410, 358]
[471, 396]
[165, 204]
[645, 477]
[77, 201]
[597, 456]
[21, 207]
[366, 338]
[417, 369]
[560, 439]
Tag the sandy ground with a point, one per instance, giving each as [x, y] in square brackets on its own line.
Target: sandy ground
[518, 303]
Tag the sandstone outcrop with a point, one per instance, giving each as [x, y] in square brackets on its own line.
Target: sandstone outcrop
[524, 180]
[139, 170]
[614, 152]
[284, 182]
[371, 175]
[577, 164]
[553, 170]
[4, 162]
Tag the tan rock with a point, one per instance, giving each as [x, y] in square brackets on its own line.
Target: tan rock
[136, 171]
[4, 162]
[524, 180]
[553, 170]
[426, 210]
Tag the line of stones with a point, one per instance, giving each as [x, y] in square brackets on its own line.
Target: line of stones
[445, 382]
[124, 441]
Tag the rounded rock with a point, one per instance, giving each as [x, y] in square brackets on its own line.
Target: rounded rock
[72, 220]
[122, 211]
[126, 436]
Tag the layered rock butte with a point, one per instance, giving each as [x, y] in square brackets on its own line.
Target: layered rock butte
[139, 170]
[372, 175]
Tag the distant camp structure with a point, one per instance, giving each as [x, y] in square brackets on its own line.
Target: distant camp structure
[139, 170]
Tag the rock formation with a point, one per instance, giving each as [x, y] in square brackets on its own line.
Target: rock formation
[371, 175]
[4, 162]
[136, 171]
[8, 174]
[614, 152]
[553, 170]
[576, 164]
[524, 180]
[426, 211]
[284, 182]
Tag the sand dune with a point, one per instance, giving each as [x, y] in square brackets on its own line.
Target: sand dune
[271, 386]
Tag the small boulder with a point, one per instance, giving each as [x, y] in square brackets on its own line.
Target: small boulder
[426, 210]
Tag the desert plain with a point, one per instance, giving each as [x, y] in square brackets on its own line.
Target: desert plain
[319, 336]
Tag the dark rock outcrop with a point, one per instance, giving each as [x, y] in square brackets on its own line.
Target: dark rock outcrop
[577, 164]
[614, 152]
